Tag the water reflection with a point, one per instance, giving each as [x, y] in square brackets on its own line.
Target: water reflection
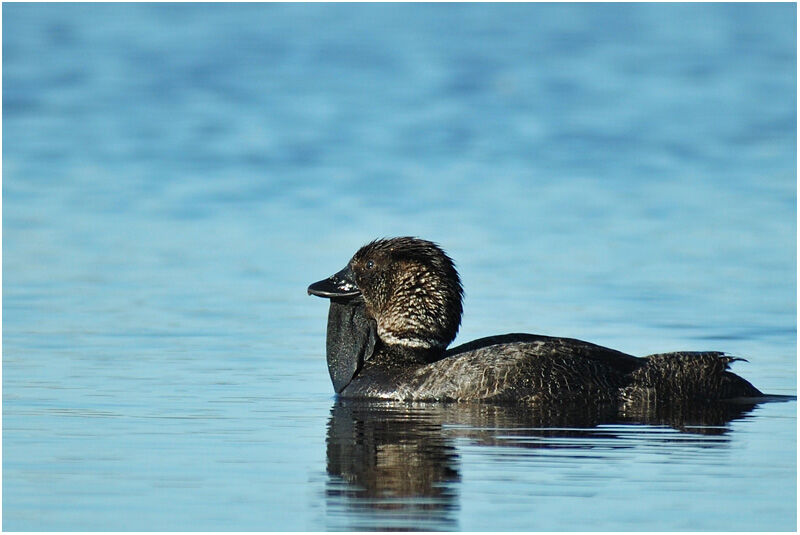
[702, 419]
[396, 466]
[394, 459]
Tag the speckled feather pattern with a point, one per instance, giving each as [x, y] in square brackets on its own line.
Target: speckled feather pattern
[549, 370]
[414, 292]
[686, 376]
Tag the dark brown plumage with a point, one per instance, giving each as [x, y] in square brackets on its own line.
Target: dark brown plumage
[414, 291]
[397, 305]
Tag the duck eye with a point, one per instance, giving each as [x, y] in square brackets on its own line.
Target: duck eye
[370, 264]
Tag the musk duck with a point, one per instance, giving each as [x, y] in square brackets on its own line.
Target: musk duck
[396, 307]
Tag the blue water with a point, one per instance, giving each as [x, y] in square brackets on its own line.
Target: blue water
[175, 175]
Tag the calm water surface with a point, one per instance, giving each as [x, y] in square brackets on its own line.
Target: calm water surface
[174, 176]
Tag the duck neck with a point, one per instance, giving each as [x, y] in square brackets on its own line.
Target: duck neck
[407, 355]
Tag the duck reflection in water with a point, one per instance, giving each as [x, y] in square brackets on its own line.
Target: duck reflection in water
[395, 465]
[395, 462]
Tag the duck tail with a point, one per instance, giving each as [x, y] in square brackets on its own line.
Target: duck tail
[687, 376]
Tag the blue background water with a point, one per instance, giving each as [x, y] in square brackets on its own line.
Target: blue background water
[174, 176]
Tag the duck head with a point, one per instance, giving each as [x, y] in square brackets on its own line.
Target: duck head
[406, 288]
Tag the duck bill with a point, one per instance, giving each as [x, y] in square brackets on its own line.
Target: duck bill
[341, 284]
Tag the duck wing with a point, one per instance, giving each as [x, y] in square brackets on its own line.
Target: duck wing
[564, 346]
[528, 369]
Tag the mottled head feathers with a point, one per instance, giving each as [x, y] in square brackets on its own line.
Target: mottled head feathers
[411, 289]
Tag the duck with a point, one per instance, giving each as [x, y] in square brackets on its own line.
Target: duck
[397, 305]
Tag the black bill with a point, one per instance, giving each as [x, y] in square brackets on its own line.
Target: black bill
[340, 284]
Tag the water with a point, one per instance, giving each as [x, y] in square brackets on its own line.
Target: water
[174, 176]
